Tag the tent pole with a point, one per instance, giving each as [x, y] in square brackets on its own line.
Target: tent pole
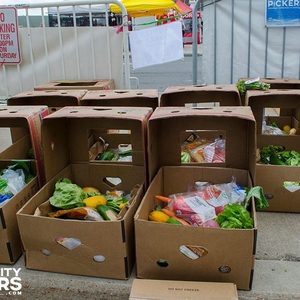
[194, 38]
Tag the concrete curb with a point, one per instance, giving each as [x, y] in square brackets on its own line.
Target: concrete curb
[273, 280]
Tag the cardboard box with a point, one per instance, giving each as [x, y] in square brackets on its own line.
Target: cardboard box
[208, 95]
[279, 83]
[218, 258]
[25, 127]
[276, 83]
[84, 84]
[271, 177]
[54, 99]
[181, 290]
[144, 98]
[66, 135]
[10, 241]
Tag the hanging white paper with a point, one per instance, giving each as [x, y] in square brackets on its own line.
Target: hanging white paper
[156, 45]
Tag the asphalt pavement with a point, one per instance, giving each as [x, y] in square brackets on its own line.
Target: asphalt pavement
[276, 271]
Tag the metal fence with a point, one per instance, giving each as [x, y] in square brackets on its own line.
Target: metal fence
[68, 52]
[238, 43]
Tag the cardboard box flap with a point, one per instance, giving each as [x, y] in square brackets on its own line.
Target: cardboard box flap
[69, 133]
[287, 101]
[48, 97]
[216, 95]
[25, 121]
[182, 290]
[169, 127]
[83, 84]
[147, 97]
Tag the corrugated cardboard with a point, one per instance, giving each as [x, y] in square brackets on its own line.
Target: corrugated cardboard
[84, 84]
[210, 95]
[144, 98]
[10, 242]
[271, 177]
[279, 83]
[170, 126]
[54, 99]
[224, 255]
[181, 290]
[66, 135]
[25, 126]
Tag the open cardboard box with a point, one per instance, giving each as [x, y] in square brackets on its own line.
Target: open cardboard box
[66, 135]
[10, 241]
[208, 95]
[279, 83]
[144, 98]
[143, 289]
[24, 123]
[83, 84]
[271, 177]
[54, 99]
[219, 255]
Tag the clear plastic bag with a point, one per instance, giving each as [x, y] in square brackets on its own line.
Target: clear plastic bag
[215, 152]
[15, 180]
[205, 201]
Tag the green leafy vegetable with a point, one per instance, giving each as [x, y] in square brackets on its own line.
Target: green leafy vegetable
[243, 86]
[260, 199]
[235, 216]
[267, 151]
[67, 195]
[277, 155]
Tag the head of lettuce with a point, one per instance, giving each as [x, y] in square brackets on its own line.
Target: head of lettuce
[67, 195]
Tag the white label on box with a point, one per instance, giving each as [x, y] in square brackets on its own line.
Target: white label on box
[201, 207]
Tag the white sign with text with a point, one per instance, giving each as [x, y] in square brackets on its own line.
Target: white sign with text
[9, 37]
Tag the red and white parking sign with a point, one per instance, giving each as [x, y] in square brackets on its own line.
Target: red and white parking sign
[9, 37]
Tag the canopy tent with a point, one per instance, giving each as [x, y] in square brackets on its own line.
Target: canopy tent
[142, 8]
[186, 10]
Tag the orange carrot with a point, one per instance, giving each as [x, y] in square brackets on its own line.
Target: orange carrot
[162, 198]
[172, 215]
[169, 212]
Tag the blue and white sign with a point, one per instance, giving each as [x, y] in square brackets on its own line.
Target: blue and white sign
[282, 13]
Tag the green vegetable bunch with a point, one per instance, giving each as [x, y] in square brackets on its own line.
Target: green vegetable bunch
[277, 155]
[67, 195]
[268, 152]
[256, 85]
[237, 216]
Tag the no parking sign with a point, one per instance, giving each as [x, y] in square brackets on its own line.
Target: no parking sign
[9, 37]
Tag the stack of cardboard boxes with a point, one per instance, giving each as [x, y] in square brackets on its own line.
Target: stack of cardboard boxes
[156, 129]
[24, 124]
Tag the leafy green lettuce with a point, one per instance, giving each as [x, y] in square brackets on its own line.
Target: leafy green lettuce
[67, 195]
[235, 216]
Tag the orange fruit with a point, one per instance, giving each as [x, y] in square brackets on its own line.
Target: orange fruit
[90, 189]
[94, 201]
[286, 128]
